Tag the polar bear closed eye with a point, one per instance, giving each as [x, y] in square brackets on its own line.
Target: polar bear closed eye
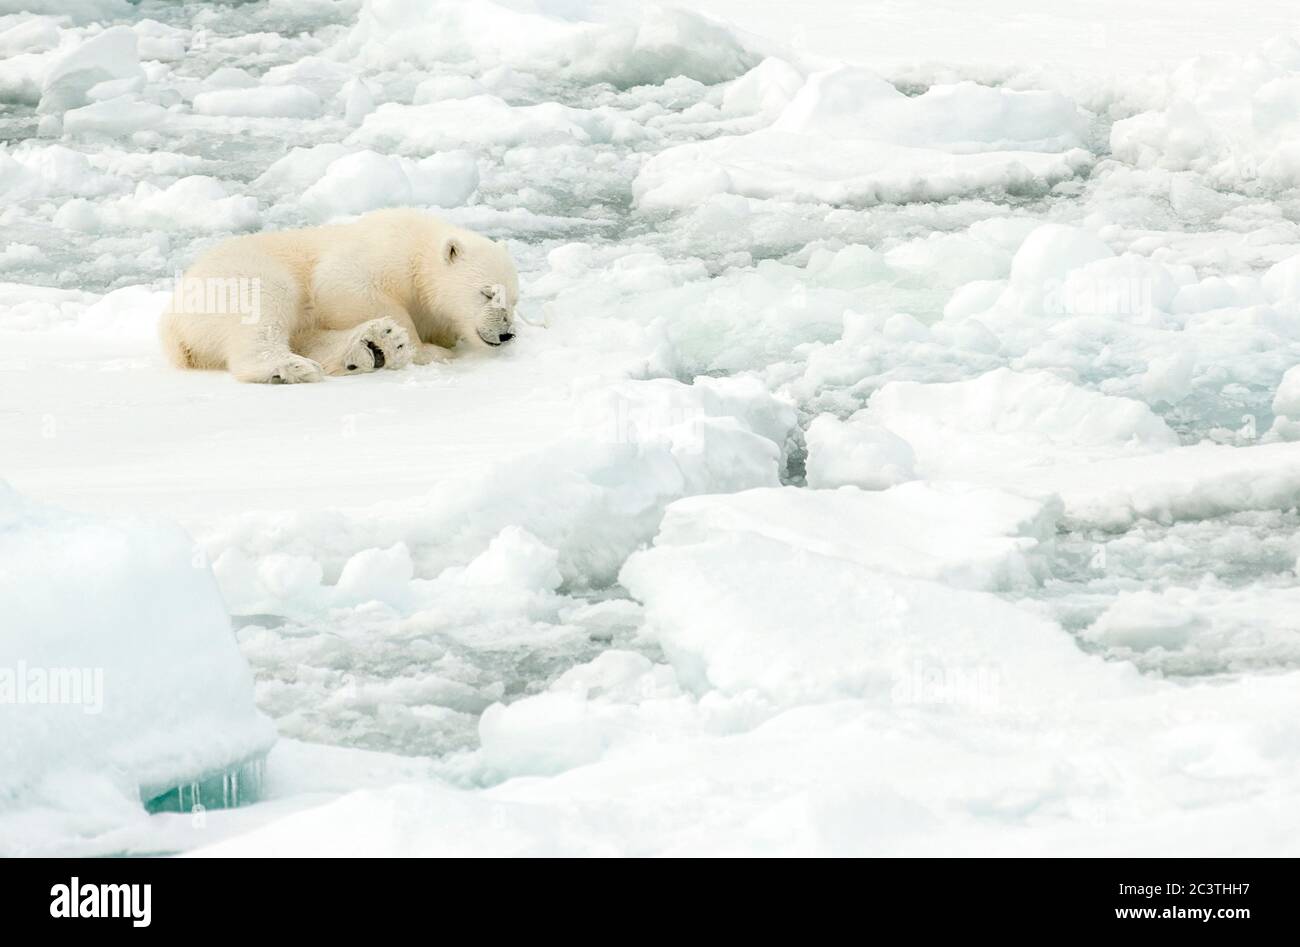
[390, 288]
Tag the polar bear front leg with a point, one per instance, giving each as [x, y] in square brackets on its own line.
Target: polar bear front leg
[338, 299]
[379, 343]
[425, 353]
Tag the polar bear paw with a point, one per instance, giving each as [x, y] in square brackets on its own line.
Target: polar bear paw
[286, 370]
[379, 343]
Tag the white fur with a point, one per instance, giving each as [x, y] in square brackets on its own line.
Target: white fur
[326, 298]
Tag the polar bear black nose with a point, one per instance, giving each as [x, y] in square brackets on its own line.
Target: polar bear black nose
[506, 336]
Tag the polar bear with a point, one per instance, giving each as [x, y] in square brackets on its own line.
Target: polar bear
[387, 289]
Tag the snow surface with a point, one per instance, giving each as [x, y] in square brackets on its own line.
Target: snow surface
[901, 454]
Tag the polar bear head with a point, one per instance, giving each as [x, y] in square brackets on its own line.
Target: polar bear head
[477, 288]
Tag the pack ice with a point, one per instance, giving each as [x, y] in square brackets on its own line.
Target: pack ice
[898, 455]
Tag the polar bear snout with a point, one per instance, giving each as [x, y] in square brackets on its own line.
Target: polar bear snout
[500, 337]
[496, 327]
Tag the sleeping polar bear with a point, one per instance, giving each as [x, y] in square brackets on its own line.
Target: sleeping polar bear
[390, 288]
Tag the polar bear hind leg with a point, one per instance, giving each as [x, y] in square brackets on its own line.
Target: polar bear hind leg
[257, 349]
[248, 335]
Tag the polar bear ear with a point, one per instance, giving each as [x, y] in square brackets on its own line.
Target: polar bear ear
[451, 250]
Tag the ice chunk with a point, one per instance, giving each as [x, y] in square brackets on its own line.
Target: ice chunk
[161, 42]
[624, 43]
[1282, 281]
[34, 34]
[437, 88]
[34, 171]
[973, 298]
[301, 167]
[1216, 292]
[112, 54]
[196, 202]
[1052, 251]
[1231, 118]
[323, 77]
[1287, 398]
[15, 255]
[790, 593]
[1202, 630]
[514, 571]
[790, 166]
[482, 120]
[284, 101]
[625, 412]
[228, 77]
[956, 257]
[115, 88]
[377, 575]
[366, 180]
[358, 101]
[515, 559]
[1176, 138]
[974, 537]
[1006, 420]
[744, 319]
[847, 102]
[586, 711]
[858, 453]
[117, 661]
[765, 90]
[1195, 482]
[1168, 378]
[630, 455]
[116, 117]
[81, 11]
[847, 136]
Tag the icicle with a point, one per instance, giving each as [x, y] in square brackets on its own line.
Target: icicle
[204, 792]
